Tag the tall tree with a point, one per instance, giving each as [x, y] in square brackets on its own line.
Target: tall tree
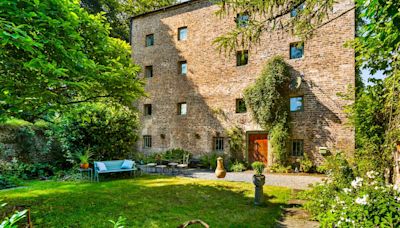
[118, 12]
[54, 53]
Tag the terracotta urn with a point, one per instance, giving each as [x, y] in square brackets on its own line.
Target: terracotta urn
[85, 166]
[220, 172]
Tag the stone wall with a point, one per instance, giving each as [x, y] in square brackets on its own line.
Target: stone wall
[214, 82]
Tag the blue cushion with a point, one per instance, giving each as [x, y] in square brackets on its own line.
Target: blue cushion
[101, 166]
[127, 164]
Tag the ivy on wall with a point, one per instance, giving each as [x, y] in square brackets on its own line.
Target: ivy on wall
[268, 101]
[236, 143]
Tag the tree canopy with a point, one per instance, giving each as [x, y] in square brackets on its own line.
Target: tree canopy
[53, 54]
[118, 12]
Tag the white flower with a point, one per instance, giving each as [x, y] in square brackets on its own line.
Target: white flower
[357, 182]
[372, 174]
[363, 200]
[347, 190]
[397, 187]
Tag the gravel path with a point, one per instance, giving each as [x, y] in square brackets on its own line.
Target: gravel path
[294, 181]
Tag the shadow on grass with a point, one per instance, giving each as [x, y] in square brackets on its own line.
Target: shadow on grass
[148, 201]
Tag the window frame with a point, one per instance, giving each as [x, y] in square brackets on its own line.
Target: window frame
[179, 33]
[218, 144]
[295, 143]
[147, 142]
[152, 41]
[302, 104]
[180, 109]
[294, 45]
[240, 23]
[147, 68]
[180, 67]
[146, 109]
[239, 55]
[238, 100]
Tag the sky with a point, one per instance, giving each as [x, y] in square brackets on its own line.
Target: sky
[366, 74]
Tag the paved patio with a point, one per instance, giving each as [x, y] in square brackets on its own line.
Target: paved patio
[294, 181]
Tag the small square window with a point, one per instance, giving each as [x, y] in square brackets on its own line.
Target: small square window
[149, 71]
[218, 144]
[149, 40]
[147, 141]
[183, 68]
[242, 58]
[147, 110]
[296, 104]
[296, 50]
[240, 106]
[297, 148]
[182, 33]
[242, 19]
[182, 109]
[296, 10]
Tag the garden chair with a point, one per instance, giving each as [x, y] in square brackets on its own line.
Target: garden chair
[185, 163]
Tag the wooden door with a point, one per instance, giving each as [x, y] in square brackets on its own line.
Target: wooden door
[258, 148]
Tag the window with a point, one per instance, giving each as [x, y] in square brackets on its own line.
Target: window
[296, 104]
[240, 106]
[218, 144]
[182, 109]
[149, 40]
[147, 141]
[297, 148]
[183, 68]
[296, 10]
[242, 58]
[147, 110]
[149, 71]
[242, 19]
[182, 33]
[296, 50]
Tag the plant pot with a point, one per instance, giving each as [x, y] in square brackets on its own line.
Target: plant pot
[85, 166]
[259, 180]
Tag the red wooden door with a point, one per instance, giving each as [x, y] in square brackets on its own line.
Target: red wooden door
[258, 148]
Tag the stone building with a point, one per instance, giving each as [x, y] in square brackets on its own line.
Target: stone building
[195, 92]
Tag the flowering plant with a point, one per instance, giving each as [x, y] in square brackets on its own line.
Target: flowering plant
[367, 202]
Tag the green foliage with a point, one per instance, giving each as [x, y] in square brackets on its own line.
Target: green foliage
[278, 168]
[54, 54]
[306, 165]
[118, 13]
[237, 167]
[110, 132]
[209, 160]
[366, 202]
[84, 156]
[236, 143]
[11, 222]
[268, 101]
[175, 155]
[258, 167]
[267, 16]
[120, 223]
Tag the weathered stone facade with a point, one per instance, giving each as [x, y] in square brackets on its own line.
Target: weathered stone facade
[214, 82]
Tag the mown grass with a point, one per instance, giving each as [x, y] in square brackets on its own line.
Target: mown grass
[147, 201]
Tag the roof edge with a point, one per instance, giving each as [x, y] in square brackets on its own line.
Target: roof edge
[162, 9]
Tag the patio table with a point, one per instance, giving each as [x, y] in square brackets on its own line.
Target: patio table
[173, 166]
[151, 165]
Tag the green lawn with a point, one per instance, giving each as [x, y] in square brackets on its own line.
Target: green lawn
[147, 201]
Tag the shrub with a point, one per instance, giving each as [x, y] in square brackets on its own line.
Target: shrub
[306, 164]
[258, 167]
[175, 155]
[278, 168]
[237, 167]
[236, 143]
[209, 160]
[110, 132]
[366, 202]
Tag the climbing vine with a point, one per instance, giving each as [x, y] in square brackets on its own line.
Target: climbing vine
[236, 143]
[268, 101]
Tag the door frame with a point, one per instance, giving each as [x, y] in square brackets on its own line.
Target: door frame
[248, 133]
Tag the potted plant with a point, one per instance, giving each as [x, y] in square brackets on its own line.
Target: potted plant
[258, 181]
[84, 158]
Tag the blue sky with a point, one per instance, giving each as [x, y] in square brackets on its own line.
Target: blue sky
[366, 74]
